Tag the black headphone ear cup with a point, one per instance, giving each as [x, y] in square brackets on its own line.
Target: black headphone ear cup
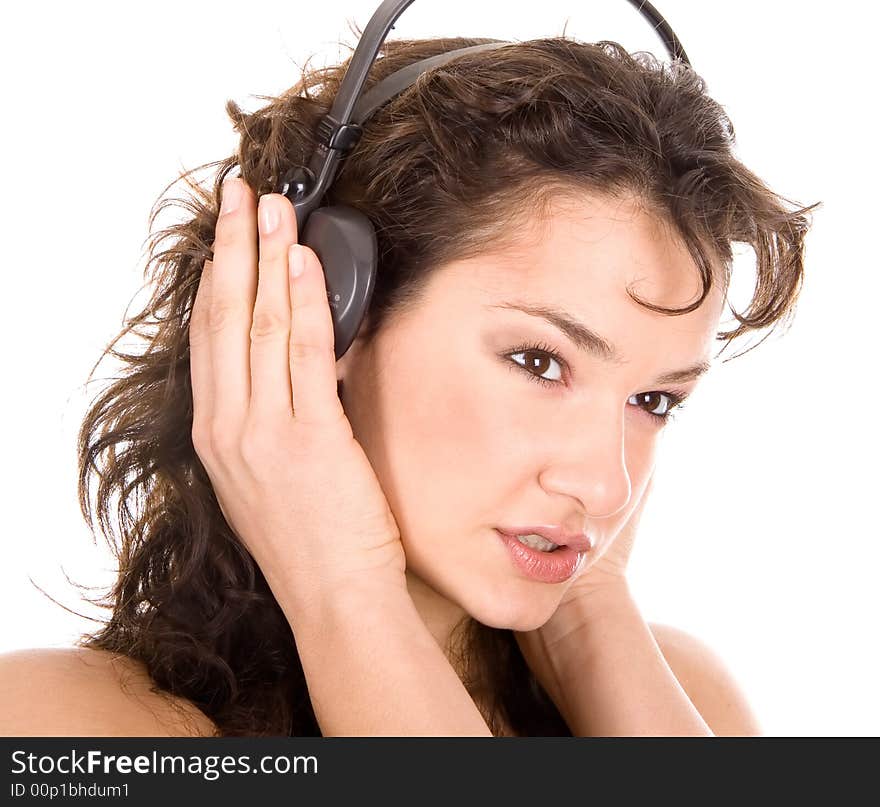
[345, 242]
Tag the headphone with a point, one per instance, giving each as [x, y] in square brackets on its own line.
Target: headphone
[342, 237]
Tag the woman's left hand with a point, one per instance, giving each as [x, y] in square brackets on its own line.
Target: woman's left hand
[604, 580]
[610, 568]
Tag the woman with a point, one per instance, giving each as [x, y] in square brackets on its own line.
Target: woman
[555, 224]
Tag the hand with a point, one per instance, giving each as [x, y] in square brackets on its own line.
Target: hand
[610, 568]
[600, 586]
[268, 426]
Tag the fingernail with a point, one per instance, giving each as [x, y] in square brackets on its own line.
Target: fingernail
[296, 260]
[231, 195]
[270, 216]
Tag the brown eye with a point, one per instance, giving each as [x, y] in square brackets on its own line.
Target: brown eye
[537, 363]
[649, 402]
[653, 400]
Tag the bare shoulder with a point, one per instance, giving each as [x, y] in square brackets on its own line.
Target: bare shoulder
[78, 692]
[708, 683]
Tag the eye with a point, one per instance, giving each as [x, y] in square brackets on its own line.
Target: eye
[538, 361]
[665, 402]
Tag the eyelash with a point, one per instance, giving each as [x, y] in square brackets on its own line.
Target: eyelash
[676, 398]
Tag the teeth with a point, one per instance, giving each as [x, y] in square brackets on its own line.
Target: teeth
[536, 542]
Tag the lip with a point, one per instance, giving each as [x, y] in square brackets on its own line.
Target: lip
[576, 540]
[545, 567]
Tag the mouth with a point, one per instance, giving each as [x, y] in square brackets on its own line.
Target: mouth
[542, 560]
[537, 542]
[548, 538]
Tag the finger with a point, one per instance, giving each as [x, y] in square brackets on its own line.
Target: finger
[312, 357]
[271, 395]
[233, 290]
[200, 351]
[635, 516]
[647, 489]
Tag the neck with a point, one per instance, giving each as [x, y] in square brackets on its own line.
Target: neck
[440, 615]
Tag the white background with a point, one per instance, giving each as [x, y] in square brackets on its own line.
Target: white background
[760, 537]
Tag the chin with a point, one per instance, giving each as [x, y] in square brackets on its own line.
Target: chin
[521, 625]
[505, 612]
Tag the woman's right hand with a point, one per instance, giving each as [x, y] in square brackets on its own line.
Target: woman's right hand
[268, 426]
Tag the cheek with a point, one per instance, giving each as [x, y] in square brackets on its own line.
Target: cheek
[445, 433]
[467, 433]
[444, 450]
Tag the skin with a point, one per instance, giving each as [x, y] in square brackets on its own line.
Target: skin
[462, 440]
[271, 423]
[476, 444]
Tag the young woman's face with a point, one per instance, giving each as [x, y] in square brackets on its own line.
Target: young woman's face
[449, 405]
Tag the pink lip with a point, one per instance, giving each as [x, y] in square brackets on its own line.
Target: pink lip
[546, 567]
[557, 535]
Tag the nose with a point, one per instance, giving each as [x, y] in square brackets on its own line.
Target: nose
[590, 466]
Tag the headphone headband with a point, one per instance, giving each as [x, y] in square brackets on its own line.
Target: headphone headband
[340, 130]
[342, 237]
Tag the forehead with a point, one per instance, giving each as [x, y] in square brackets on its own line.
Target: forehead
[599, 244]
[580, 259]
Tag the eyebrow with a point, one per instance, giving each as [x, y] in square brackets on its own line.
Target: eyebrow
[589, 341]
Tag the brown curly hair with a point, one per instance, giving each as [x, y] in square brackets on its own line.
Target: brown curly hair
[451, 164]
